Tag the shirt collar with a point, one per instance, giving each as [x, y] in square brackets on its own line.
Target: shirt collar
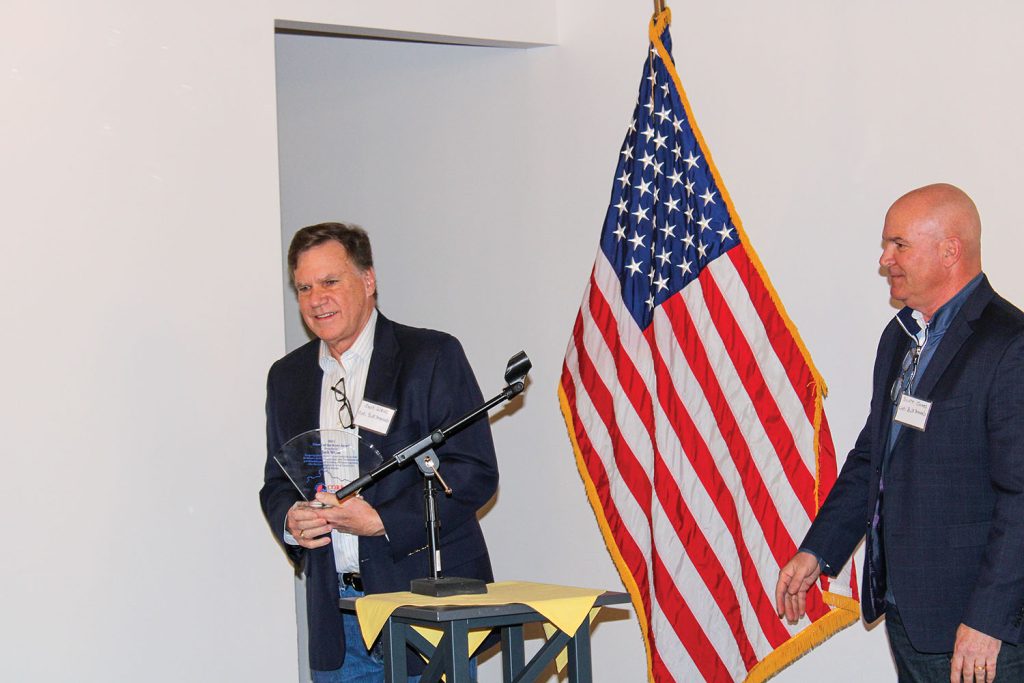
[360, 350]
[913, 323]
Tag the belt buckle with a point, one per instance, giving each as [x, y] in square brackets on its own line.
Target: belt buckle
[353, 579]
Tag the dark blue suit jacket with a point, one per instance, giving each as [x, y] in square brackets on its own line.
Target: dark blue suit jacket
[425, 375]
[954, 494]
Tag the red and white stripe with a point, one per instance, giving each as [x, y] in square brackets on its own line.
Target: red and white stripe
[698, 437]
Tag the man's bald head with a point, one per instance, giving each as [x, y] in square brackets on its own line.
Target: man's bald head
[931, 246]
[946, 211]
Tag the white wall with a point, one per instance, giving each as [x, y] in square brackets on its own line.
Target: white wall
[142, 286]
[139, 268]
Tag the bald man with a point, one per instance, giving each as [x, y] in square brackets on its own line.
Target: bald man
[935, 481]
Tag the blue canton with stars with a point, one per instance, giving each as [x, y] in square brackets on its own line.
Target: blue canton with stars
[667, 220]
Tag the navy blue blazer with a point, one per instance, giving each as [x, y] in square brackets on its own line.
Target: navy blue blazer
[954, 493]
[425, 375]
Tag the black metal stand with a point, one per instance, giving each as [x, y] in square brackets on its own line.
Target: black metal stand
[436, 585]
[426, 458]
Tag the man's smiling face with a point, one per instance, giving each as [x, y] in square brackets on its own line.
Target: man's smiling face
[335, 297]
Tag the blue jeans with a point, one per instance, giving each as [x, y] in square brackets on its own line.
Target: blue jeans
[920, 667]
[360, 665]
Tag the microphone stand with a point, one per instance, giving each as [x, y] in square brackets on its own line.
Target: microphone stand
[427, 461]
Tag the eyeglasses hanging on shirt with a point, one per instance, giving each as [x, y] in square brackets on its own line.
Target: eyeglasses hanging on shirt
[904, 384]
[345, 417]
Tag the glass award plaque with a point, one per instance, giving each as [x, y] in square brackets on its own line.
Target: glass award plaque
[326, 460]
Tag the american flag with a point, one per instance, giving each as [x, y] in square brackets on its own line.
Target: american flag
[695, 411]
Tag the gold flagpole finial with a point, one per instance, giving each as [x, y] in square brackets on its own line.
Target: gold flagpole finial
[659, 7]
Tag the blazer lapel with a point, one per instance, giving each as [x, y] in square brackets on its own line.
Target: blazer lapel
[959, 332]
[381, 386]
[303, 408]
[380, 377]
[955, 336]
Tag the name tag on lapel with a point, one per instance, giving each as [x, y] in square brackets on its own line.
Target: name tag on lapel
[375, 417]
[912, 412]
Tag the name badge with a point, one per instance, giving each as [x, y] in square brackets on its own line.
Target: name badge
[375, 417]
[912, 412]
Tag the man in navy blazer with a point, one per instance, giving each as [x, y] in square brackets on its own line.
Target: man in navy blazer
[425, 377]
[936, 479]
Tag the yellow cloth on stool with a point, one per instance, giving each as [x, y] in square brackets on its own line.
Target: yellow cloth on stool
[564, 606]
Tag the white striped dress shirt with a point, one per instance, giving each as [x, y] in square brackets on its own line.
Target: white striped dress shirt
[353, 367]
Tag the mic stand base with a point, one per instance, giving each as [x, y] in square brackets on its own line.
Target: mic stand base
[442, 587]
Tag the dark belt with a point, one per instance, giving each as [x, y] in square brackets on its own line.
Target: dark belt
[353, 579]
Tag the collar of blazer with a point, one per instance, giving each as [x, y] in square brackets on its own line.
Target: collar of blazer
[960, 329]
[381, 377]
